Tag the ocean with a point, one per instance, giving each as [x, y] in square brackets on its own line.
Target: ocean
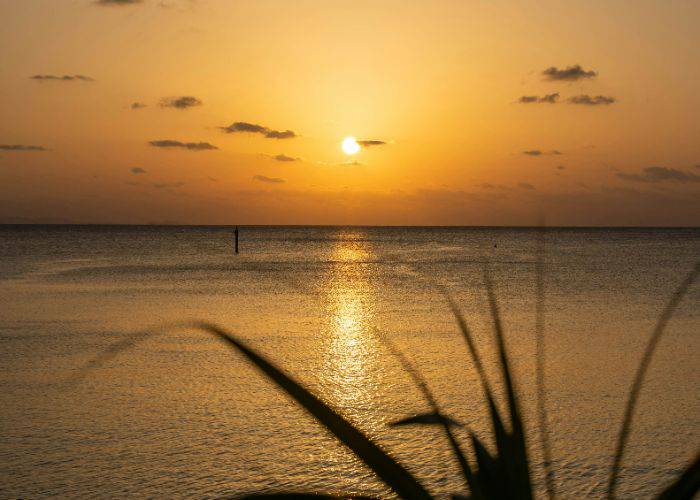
[181, 415]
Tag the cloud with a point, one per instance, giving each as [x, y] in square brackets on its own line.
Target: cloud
[286, 158]
[561, 167]
[184, 102]
[370, 143]
[277, 134]
[117, 3]
[526, 99]
[571, 73]
[271, 180]
[21, 147]
[538, 152]
[138, 170]
[550, 98]
[252, 128]
[64, 78]
[192, 146]
[526, 185]
[660, 174]
[589, 100]
[547, 98]
[138, 105]
[245, 127]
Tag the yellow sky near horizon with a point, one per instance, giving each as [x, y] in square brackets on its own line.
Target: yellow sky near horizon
[439, 82]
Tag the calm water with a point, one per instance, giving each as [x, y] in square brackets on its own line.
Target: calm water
[181, 416]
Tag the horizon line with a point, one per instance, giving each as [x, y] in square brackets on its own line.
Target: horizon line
[455, 226]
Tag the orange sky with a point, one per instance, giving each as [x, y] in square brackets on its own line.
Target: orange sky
[438, 83]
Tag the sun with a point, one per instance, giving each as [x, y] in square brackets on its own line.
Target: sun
[350, 146]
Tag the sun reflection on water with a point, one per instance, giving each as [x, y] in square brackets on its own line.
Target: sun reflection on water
[351, 362]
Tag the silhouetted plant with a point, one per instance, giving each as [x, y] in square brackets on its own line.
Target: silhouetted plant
[505, 474]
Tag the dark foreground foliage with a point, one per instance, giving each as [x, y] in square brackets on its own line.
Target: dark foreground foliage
[507, 474]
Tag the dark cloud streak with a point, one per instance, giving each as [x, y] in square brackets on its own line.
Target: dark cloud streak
[660, 174]
[192, 146]
[285, 158]
[539, 152]
[184, 102]
[64, 78]
[21, 147]
[371, 142]
[588, 100]
[571, 73]
[252, 128]
[545, 99]
[280, 134]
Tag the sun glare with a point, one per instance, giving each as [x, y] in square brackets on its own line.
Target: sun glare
[350, 146]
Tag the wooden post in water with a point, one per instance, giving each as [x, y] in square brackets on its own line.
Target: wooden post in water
[235, 237]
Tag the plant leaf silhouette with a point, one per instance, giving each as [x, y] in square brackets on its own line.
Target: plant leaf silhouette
[427, 419]
[383, 465]
[686, 486]
[625, 428]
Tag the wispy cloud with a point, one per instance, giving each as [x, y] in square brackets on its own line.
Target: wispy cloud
[184, 102]
[539, 152]
[21, 147]
[270, 180]
[64, 78]
[366, 143]
[570, 73]
[252, 128]
[285, 158]
[547, 99]
[138, 105]
[588, 100]
[192, 146]
[138, 170]
[660, 174]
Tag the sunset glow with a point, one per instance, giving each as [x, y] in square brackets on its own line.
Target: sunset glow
[226, 112]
